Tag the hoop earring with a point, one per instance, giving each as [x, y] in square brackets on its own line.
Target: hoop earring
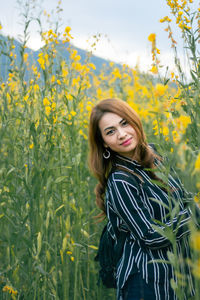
[106, 154]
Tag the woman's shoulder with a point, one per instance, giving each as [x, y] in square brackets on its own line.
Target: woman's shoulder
[123, 176]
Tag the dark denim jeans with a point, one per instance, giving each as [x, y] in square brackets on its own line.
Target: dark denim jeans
[136, 289]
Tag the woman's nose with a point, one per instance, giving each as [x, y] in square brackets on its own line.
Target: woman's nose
[121, 133]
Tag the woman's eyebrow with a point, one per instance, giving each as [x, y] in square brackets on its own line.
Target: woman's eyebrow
[110, 127]
[122, 120]
[107, 128]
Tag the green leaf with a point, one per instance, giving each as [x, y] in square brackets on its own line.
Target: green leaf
[160, 203]
[166, 81]
[175, 210]
[159, 261]
[60, 179]
[165, 231]
[173, 284]
[157, 182]
[39, 244]
[60, 209]
[171, 257]
[193, 76]
[10, 171]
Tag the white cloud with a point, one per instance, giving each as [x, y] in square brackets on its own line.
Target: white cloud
[124, 27]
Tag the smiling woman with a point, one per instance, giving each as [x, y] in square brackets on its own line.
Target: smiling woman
[118, 134]
[115, 127]
[135, 197]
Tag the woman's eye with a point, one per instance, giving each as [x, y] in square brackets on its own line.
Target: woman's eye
[110, 132]
[124, 123]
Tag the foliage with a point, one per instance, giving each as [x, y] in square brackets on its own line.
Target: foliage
[48, 235]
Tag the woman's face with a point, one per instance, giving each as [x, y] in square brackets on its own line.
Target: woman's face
[118, 135]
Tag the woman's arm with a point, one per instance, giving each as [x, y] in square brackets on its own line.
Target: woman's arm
[127, 203]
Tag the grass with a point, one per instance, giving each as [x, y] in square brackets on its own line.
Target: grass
[48, 234]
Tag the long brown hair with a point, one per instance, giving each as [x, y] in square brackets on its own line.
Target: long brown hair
[100, 166]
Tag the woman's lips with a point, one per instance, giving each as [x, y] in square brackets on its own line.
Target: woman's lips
[127, 142]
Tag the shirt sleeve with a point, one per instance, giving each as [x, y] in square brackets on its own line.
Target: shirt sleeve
[127, 203]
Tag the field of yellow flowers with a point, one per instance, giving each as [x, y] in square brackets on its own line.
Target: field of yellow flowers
[48, 234]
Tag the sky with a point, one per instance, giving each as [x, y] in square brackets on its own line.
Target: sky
[122, 27]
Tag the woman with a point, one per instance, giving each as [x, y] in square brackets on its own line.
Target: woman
[135, 197]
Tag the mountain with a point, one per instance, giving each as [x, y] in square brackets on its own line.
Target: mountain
[6, 49]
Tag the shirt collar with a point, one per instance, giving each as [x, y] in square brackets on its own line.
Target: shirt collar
[127, 162]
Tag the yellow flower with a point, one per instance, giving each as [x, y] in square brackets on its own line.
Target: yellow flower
[6, 189]
[67, 33]
[73, 54]
[165, 19]
[8, 97]
[46, 57]
[77, 58]
[41, 61]
[36, 87]
[47, 110]
[158, 51]
[197, 198]
[92, 66]
[75, 81]
[83, 134]
[31, 146]
[9, 289]
[116, 73]
[185, 120]
[195, 240]
[53, 105]
[1, 27]
[37, 123]
[64, 72]
[197, 163]
[196, 269]
[165, 131]
[88, 108]
[46, 101]
[25, 57]
[77, 66]
[53, 78]
[152, 37]
[54, 120]
[67, 29]
[73, 113]
[154, 70]
[160, 89]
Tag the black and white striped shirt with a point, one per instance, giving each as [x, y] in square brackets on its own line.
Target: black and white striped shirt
[135, 206]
